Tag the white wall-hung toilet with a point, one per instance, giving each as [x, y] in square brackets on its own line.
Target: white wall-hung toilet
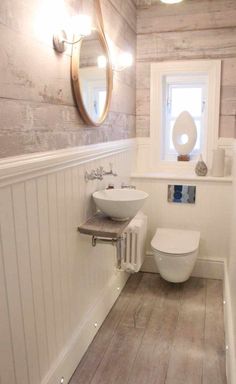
[175, 253]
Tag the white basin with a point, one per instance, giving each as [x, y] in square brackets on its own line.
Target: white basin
[120, 204]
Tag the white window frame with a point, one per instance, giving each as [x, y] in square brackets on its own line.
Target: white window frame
[159, 72]
[188, 81]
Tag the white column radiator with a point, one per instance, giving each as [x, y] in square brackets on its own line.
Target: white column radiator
[133, 250]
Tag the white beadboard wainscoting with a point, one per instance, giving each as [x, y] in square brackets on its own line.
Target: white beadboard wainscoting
[55, 288]
[230, 290]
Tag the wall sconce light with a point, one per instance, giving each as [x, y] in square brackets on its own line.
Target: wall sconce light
[81, 25]
[124, 60]
[102, 61]
[121, 62]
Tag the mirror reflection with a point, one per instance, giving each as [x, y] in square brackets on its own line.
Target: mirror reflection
[93, 76]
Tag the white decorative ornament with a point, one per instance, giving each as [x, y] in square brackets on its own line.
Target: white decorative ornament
[218, 162]
[184, 134]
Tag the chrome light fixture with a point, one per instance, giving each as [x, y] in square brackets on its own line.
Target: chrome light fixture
[124, 60]
[81, 25]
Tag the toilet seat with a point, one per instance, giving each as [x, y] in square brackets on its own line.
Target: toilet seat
[175, 241]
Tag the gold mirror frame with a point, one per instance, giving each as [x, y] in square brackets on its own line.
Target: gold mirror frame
[75, 72]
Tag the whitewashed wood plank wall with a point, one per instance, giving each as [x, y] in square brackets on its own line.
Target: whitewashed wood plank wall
[200, 29]
[50, 276]
[38, 111]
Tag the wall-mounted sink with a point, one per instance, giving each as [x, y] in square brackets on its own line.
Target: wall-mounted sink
[120, 204]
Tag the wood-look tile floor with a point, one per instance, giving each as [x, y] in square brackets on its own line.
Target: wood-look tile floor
[159, 333]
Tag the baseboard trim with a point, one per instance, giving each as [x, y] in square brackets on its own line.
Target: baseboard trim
[68, 360]
[229, 332]
[205, 268]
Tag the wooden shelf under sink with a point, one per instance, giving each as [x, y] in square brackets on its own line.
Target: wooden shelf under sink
[103, 226]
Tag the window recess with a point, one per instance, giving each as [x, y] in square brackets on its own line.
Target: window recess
[192, 86]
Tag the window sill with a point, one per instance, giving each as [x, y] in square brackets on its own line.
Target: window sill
[182, 177]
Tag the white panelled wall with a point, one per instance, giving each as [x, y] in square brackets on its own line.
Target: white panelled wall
[55, 288]
[214, 215]
[47, 321]
[211, 214]
[230, 291]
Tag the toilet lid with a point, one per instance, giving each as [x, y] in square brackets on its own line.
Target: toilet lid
[175, 241]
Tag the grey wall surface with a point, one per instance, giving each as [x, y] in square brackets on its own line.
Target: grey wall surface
[37, 107]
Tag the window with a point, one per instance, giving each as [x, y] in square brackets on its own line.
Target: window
[184, 93]
[192, 86]
[99, 101]
[93, 89]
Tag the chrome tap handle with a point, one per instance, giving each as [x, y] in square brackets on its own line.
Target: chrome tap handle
[95, 174]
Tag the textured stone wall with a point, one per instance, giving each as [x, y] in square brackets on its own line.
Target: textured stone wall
[37, 108]
[201, 29]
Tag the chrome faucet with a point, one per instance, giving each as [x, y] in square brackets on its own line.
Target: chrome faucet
[97, 174]
[110, 172]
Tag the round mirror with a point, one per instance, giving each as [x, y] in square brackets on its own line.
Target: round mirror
[92, 77]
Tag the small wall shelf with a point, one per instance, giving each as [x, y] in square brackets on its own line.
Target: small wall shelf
[105, 231]
[179, 176]
[102, 226]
